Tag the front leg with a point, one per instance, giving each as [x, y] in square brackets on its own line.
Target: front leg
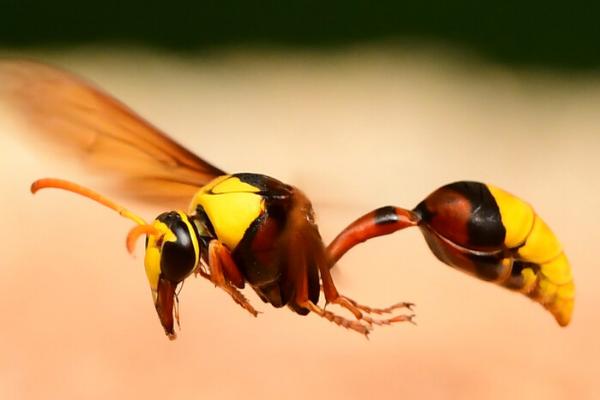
[223, 272]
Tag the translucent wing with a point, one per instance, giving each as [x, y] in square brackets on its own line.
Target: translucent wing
[102, 132]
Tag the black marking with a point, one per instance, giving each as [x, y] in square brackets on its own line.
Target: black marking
[252, 230]
[422, 212]
[268, 187]
[485, 224]
[516, 281]
[488, 268]
[262, 182]
[254, 272]
[276, 208]
[385, 215]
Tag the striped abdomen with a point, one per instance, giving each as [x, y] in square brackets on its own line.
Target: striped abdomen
[498, 237]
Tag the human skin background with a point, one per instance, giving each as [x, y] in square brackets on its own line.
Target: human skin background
[355, 130]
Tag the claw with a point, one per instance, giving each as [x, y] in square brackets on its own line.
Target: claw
[357, 326]
[364, 316]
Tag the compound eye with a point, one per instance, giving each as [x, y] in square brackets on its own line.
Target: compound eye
[178, 257]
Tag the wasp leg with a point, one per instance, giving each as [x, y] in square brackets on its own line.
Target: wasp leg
[380, 311]
[337, 319]
[361, 312]
[230, 269]
[219, 262]
[383, 221]
[303, 300]
[358, 310]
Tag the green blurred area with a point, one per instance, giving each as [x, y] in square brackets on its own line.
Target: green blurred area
[555, 35]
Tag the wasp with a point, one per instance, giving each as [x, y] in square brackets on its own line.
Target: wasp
[484, 231]
[239, 229]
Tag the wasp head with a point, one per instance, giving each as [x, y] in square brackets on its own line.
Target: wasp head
[172, 253]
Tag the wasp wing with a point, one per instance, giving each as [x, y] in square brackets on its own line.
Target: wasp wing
[67, 111]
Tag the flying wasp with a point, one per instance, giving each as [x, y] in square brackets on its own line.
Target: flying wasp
[239, 228]
[482, 230]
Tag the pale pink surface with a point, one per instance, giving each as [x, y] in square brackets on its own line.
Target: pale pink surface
[355, 131]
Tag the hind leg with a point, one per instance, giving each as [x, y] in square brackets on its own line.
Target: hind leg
[362, 324]
[337, 319]
[302, 299]
[360, 311]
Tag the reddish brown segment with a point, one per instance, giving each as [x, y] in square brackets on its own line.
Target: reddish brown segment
[263, 244]
[382, 221]
[165, 304]
[231, 271]
[219, 258]
[466, 214]
[447, 212]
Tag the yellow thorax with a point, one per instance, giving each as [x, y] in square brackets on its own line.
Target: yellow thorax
[231, 205]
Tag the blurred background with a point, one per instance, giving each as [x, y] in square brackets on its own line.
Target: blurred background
[359, 104]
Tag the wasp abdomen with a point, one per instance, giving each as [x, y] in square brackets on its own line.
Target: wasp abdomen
[497, 237]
